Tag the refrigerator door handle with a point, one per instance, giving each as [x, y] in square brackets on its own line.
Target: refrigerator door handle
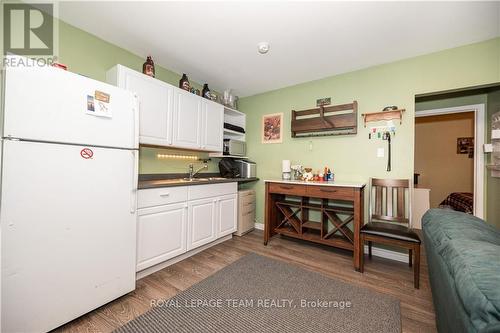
[135, 180]
[136, 121]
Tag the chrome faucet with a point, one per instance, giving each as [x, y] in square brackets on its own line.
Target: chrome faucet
[192, 173]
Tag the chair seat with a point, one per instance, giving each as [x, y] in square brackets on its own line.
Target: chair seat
[390, 230]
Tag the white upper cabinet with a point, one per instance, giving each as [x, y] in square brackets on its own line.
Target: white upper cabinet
[187, 120]
[212, 126]
[156, 102]
[170, 116]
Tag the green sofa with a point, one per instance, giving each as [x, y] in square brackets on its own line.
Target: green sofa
[463, 255]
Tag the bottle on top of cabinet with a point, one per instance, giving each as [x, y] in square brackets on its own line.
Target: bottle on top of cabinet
[184, 83]
[148, 67]
[205, 92]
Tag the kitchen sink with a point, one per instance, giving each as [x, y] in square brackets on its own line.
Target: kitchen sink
[187, 180]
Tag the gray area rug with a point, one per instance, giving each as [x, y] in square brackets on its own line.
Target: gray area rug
[258, 294]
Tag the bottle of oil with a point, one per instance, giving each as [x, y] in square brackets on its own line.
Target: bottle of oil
[184, 83]
[148, 67]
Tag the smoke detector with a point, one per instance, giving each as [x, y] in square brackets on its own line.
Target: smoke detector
[263, 47]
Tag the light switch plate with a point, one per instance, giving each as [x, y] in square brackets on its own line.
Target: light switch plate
[380, 152]
[488, 148]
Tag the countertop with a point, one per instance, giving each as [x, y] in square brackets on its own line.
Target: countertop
[318, 183]
[166, 180]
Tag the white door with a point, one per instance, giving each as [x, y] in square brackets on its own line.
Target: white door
[212, 126]
[156, 102]
[51, 104]
[161, 234]
[187, 120]
[68, 232]
[201, 222]
[227, 214]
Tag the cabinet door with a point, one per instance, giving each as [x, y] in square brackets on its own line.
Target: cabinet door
[187, 120]
[227, 214]
[201, 222]
[212, 126]
[156, 102]
[161, 234]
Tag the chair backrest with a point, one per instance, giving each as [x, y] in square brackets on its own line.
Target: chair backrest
[390, 200]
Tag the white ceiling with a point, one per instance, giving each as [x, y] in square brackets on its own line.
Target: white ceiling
[216, 42]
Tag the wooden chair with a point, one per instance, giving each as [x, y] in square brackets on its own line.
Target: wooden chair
[390, 222]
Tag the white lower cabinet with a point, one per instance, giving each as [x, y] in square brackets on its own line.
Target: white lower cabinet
[201, 222]
[201, 214]
[227, 214]
[161, 234]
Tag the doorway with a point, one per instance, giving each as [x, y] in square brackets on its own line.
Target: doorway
[448, 156]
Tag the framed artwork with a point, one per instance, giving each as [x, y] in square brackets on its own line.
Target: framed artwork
[465, 146]
[272, 128]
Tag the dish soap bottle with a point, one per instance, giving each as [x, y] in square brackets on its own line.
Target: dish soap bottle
[184, 83]
[205, 92]
[148, 67]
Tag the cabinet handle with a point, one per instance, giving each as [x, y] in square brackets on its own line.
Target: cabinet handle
[164, 194]
[286, 187]
[328, 191]
[248, 213]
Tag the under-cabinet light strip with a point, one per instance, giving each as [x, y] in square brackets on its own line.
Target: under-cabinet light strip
[175, 156]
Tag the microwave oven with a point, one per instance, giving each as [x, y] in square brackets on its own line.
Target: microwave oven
[234, 147]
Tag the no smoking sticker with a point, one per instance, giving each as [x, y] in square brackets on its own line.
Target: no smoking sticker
[86, 153]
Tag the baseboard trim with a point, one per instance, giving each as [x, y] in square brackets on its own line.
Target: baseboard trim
[376, 251]
[162, 265]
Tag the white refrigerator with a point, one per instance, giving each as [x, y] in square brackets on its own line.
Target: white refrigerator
[68, 197]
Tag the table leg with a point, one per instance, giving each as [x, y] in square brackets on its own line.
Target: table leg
[270, 215]
[358, 221]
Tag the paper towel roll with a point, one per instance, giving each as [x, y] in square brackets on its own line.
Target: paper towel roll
[285, 166]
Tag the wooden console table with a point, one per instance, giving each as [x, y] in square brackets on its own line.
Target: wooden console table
[288, 204]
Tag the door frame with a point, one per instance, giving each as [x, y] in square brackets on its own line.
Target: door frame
[479, 132]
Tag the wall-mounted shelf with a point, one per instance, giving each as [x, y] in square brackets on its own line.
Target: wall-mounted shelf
[232, 112]
[383, 115]
[237, 118]
[326, 120]
[230, 131]
[219, 155]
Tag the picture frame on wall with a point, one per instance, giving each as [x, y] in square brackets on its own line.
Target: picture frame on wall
[465, 145]
[272, 128]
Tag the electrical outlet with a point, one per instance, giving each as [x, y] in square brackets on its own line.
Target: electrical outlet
[380, 152]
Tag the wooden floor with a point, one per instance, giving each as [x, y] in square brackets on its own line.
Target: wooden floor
[381, 275]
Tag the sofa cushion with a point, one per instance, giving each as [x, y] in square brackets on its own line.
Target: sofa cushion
[449, 225]
[475, 268]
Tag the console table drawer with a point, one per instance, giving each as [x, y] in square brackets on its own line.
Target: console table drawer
[299, 190]
[330, 192]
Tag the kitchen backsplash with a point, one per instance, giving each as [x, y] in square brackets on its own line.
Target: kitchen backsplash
[150, 163]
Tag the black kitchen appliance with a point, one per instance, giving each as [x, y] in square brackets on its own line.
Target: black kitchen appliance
[228, 168]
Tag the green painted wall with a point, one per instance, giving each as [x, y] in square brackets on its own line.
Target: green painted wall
[493, 188]
[354, 157]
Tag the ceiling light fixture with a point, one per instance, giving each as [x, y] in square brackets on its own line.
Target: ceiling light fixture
[263, 47]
